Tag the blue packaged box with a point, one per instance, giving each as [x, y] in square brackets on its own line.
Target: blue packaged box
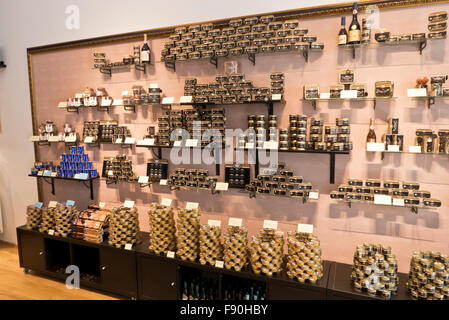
[64, 157]
[93, 173]
[85, 158]
[72, 150]
[89, 166]
[80, 150]
[81, 166]
[70, 158]
[77, 158]
[34, 172]
[62, 165]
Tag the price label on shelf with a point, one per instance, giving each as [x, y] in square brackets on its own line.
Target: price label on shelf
[168, 100]
[53, 139]
[70, 203]
[186, 99]
[128, 246]
[398, 202]
[106, 102]
[101, 205]
[154, 86]
[382, 199]
[129, 204]
[54, 174]
[192, 205]
[143, 179]
[191, 142]
[52, 204]
[146, 142]
[414, 149]
[170, 254]
[70, 139]
[393, 148]
[117, 102]
[219, 264]
[235, 222]
[40, 173]
[83, 176]
[214, 223]
[89, 140]
[118, 141]
[76, 176]
[51, 232]
[314, 195]
[348, 94]
[110, 173]
[163, 182]
[375, 147]
[124, 93]
[62, 105]
[47, 173]
[130, 140]
[270, 224]
[38, 205]
[417, 92]
[177, 144]
[78, 95]
[276, 97]
[325, 95]
[34, 138]
[166, 202]
[305, 228]
[222, 186]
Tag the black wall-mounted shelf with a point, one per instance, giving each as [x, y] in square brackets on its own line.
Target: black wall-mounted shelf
[269, 104]
[52, 182]
[137, 66]
[422, 44]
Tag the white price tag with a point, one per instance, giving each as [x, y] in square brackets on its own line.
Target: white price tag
[52, 204]
[89, 140]
[40, 173]
[305, 228]
[101, 205]
[222, 186]
[166, 202]
[143, 179]
[154, 86]
[214, 223]
[146, 142]
[276, 97]
[249, 145]
[177, 144]
[106, 102]
[314, 195]
[76, 176]
[375, 147]
[110, 173]
[235, 222]
[170, 254]
[53, 139]
[186, 99]
[62, 105]
[70, 139]
[414, 149]
[54, 174]
[270, 224]
[117, 102]
[70, 203]
[348, 94]
[118, 141]
[128, 246]
[130, 140]
[168, 100]
[219, 264]
[78, 95]
[325, 95]
[163, 182]
[420, 92]
[47, 173]
[34, 138]
[382, 199]
[393, 148]
[398, 202]
[192, 205]
[51, 232]
[124, 93]
[191, 142]
[129, 204]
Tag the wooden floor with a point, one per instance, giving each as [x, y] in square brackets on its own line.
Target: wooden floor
[16, 285]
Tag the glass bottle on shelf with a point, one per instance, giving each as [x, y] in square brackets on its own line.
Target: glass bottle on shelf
[371, 137]
[343, 34]
[355, 31]
[192, 291]
[185, 295]
[145, 54]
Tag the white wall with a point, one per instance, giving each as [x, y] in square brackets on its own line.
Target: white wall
[25, 23]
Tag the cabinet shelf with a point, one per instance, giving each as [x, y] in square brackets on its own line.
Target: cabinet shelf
[413, 209]
[52, 182]
[374, 100]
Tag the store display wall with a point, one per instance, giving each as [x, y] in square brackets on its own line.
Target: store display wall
[43, 23]
[60, 74]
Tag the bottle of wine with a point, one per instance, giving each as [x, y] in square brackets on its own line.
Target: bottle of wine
[371, 137]
[145, 54]
[185, 295]
[192, 291]
[343, 35]
[355, 32]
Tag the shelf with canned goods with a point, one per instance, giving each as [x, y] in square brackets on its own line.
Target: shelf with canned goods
[373, 99]
[50, 179]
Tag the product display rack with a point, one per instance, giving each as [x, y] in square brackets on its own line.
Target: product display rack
[408, 152]
[331, 154]
[137, 66]
[413, 209]
[430, 100]
[48, 143]
[269, 104]
[52, 182]
[314, 101]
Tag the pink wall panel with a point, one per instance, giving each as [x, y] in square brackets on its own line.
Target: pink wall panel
[60, 74]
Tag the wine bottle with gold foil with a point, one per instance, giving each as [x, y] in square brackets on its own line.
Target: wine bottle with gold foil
[343, 35]
[371, 137]
[355, 32]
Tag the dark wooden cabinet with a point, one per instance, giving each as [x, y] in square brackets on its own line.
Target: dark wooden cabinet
[157, 278]
[118, 271]
[31, 250]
